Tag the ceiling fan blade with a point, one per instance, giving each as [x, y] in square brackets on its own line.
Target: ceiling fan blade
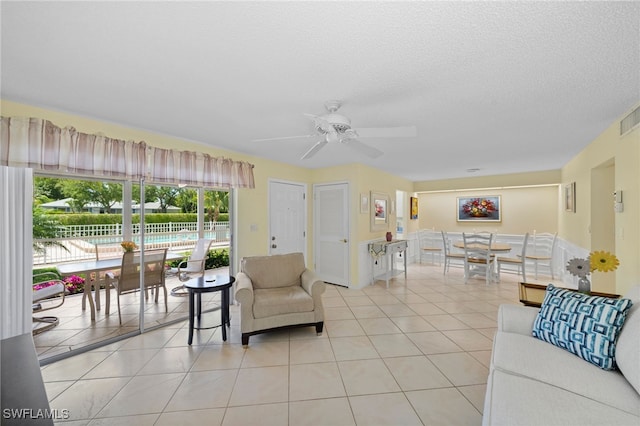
[283, 138]
[387, 132]
[363, 148]
[315, 148]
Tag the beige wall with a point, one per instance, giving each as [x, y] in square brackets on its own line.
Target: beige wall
[493, 181]
[253, 225]
[252, 203]
[362, 180]
[524, 209]
[593, 194]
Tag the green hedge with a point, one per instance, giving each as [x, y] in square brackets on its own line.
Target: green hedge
[216, 258]
[106, 219]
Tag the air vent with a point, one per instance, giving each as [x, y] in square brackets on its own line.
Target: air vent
[630, 121]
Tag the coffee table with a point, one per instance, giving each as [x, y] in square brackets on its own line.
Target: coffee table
[208, 284]
[533, 294]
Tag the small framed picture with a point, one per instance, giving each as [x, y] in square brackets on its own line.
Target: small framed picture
[414, 208]
[570, 197]
[364, 203]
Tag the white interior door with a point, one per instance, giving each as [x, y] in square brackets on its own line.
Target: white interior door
[287, 217]
[331, 232]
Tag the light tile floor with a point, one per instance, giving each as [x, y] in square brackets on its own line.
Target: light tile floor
[411, 354]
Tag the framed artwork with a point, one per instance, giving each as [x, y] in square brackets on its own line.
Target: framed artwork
[414, 207]
[479, 209]
[364, 203]
[570, 197]
[379, 211]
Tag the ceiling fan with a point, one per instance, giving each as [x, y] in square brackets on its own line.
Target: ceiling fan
[333, 127]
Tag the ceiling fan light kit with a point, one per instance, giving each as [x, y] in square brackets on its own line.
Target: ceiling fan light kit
[336, 128]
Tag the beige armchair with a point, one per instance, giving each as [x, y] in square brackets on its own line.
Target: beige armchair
[276, 292]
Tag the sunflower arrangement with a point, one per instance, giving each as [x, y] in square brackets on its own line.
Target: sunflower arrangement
[128, 246]
[602, 261]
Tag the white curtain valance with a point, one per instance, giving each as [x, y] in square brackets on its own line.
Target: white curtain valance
[39, 144]
[198, 169]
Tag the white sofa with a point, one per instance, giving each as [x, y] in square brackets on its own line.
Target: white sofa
[532, 382]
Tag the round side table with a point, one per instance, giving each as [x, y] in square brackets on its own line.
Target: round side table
[208, 284]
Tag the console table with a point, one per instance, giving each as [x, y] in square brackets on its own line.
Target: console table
[381, 249]
[533, 294]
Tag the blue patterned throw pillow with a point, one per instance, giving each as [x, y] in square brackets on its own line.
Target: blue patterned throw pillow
[586, 326]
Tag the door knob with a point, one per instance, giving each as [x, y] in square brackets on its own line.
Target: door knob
[344, 240]
[273, 238]
[273, 246]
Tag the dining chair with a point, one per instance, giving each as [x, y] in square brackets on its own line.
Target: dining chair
[449, 254]
[128, 280]
[194, 265]
[518, 261]
[478, 258]
[541, 252]
[430, 244]
[103, 278]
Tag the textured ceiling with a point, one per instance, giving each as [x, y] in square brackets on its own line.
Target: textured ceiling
[500, 86]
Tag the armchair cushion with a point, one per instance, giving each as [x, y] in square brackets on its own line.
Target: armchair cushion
[263, 274]
[281, 300]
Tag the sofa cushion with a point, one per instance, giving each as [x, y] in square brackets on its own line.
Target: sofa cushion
[527, 357]
[586, 326]
[628, 346]
[281, 300]
[516, 400]
[282, 270]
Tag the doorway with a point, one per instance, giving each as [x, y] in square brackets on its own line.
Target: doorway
[331, 232]
[287, 217]
[603, 219]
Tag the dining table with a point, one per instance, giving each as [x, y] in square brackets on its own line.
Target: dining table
[89, 267]
[495, 247]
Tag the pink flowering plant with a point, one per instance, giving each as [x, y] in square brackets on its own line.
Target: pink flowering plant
[73, 284]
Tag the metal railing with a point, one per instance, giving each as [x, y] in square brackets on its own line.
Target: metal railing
[79, 241]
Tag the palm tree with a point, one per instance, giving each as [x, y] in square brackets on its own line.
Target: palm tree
[216, 202]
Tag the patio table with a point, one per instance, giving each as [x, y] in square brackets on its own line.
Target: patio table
[89, 267]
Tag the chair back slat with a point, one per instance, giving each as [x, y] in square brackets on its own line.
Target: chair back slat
[477, 247]
[129, 278]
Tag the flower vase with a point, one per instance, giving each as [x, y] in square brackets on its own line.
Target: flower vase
[584, 286]
[389, 236]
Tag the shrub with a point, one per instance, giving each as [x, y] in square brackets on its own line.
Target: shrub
[216, 258]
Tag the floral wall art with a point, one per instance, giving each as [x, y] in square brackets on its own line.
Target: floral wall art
[479, 209]
[379, 213]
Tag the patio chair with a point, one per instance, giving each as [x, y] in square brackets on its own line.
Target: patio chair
[46, 298]
[128, 280]
[103, 278]
[194, 265]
